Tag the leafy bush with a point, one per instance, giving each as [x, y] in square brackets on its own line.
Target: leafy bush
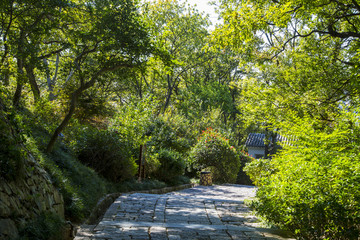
[132, 121]
[179, 180]
[106, 154]
[45, 226]
[312, 188]
[171, 133]
[171, 165]
[152, 162]
[168, 132]
[214, 151]
[134, 185]
[242, 177]
[79, 185]
[11, 154]
[259, 169]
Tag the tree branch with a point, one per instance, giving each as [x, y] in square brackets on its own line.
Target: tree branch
[342, 35]
[74, 99]
[53, 52]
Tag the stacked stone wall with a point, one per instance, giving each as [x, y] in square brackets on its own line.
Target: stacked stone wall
[25, 198]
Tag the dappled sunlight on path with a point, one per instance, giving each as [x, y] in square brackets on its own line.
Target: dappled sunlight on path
[212, 212]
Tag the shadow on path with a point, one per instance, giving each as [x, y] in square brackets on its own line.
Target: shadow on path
[212, 212]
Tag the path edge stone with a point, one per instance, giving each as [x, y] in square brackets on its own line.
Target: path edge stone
[105, 202]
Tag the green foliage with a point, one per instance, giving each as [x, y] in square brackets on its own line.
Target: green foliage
[45, 113]
[171, 166]
[134, 185]
[94, 104]
[259, 170]
[301, 78]
[171, 132]
[242, 176]
[11, 153]
[132, 121]
[312, 188]
[79, 185]
[45, 226]
[179, 180]
[106, 153]
[214, 151]
[210, 95]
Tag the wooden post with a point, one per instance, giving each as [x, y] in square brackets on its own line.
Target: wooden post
[140, 163]
[143, 161]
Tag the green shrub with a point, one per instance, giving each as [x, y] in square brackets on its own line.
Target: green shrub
[45, 226]
[242, 177]
[152, 162]
[11, 152]
[132, 120]
[168, 132]
[215, 152]
[179, 180]
[171, 165]
[134, 185]
[106, 154]
[312, 188]
[171, 133]
[259, 170]
[80, 186]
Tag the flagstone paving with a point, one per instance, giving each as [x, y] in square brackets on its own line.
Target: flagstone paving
[202, 212]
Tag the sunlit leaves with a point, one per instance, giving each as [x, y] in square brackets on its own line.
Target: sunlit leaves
[302, 81]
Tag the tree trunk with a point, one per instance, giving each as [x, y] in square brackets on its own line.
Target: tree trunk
[5, 66]
[168, 96]
[74, 99]
[267, 143]
[51, 82]
[73, 103]
[140, 163]
[6, 74]
[32, 80]
[273, 143]
[20, 79]
[64, 123]
[19, 83]
[17, 95]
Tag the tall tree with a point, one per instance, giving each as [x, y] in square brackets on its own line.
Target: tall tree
[299, 55]
[25, 25]
[181, 31]
[106, 36]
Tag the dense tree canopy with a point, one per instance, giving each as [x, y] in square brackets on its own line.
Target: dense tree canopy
[308, 50]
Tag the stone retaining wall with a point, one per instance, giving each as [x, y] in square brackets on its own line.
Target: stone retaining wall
[27, 197]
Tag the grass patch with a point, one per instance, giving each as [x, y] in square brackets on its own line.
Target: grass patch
[178, 180]
[134, 185]
[80, 186]
[43, 227]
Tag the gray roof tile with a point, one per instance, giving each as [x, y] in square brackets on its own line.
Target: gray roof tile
[257, 140]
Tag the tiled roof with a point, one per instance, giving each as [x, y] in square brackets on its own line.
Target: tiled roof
[257, 140]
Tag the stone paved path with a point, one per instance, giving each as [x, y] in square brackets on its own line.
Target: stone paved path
[215, 212]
